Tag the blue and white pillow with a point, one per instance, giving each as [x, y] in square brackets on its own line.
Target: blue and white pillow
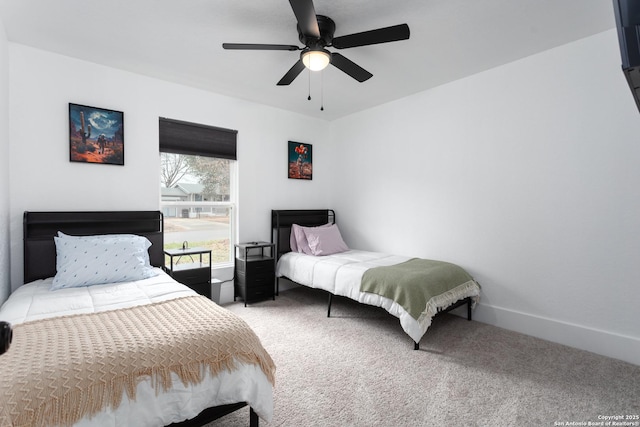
[136, 239]
[93, 260]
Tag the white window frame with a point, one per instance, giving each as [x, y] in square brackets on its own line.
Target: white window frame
[231, 205]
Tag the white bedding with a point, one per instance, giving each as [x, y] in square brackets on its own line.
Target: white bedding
[341, 274]
[246, 384]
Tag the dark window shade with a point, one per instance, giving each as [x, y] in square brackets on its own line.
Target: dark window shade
[195, 139]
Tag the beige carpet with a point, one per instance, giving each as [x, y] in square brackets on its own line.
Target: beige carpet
[358, 368]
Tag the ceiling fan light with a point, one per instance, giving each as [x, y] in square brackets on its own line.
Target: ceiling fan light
[316, 60]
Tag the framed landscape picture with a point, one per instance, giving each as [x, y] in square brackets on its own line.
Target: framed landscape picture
[96, 135]
[300, 160]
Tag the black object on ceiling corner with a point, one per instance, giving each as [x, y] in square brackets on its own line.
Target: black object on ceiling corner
[627, 13]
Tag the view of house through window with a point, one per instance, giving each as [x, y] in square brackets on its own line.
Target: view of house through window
[196, 201]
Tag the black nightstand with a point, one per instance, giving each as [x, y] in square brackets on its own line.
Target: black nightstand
[254, 271]
[196, 274]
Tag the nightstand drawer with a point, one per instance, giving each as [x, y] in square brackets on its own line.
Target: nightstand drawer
[264, 266]
[260, 282]
[260, 292]
[254, 282]
[251, 275]
[257, 267]
[193, 276]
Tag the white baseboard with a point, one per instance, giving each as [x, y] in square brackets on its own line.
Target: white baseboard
[596, 341]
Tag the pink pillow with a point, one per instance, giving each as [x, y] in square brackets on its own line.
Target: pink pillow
[298, 240]
[325, 240]
[292, 238]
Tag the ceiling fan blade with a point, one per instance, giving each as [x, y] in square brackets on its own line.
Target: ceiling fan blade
[253, 46]
[365, 38]
[350, 67]
[306, 16]
[292, 74]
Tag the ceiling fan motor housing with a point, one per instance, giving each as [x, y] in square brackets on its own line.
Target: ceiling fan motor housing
[326, 26]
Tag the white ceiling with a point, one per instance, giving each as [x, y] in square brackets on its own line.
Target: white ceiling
[180, 41]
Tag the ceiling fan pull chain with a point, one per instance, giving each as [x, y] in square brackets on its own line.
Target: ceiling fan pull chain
[309, 74]
[322, 90]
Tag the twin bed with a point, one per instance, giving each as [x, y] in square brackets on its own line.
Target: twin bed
[141, 349]
[310, 252]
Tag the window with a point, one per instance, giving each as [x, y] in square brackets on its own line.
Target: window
[197, 181]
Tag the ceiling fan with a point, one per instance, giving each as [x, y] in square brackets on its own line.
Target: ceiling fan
[316, 33]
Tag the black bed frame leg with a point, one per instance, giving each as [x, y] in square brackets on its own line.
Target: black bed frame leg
[254, 420]
[329, 307]
[468, 308]
[416, 345]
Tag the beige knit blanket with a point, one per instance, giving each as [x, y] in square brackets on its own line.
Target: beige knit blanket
[59, 370]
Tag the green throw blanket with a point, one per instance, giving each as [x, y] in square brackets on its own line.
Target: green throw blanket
[420, 286]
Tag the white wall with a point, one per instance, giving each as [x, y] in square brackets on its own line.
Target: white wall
[527, 175]
[43, 178]
[4, 166]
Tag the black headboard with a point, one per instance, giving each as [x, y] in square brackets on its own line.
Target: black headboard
[281, 221]
[39, 228]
